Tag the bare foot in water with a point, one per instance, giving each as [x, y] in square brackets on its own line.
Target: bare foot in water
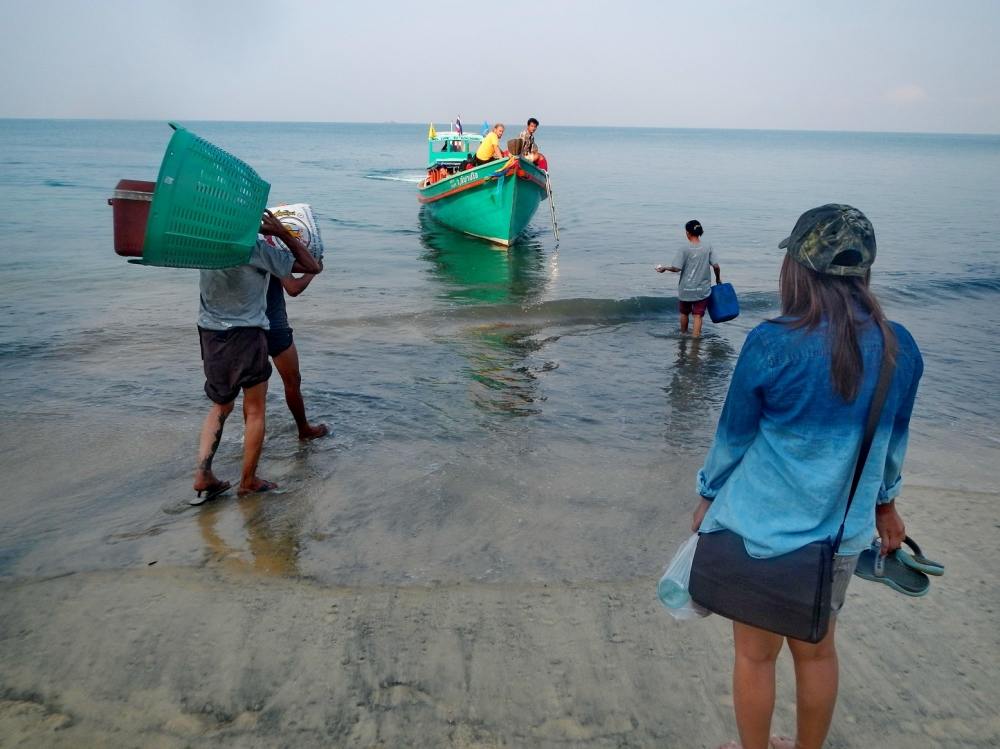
[256, 486]
[312, 432]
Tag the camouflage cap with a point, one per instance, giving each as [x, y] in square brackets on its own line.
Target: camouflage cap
[834, 239]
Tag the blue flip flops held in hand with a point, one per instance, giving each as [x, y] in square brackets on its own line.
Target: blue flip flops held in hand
[917, 560]
[902, 571]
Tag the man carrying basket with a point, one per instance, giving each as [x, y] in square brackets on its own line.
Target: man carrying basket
[232, 321]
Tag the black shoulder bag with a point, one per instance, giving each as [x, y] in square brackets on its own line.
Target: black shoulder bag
[788, 594]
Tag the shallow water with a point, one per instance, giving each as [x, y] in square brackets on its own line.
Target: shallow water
[528, 414]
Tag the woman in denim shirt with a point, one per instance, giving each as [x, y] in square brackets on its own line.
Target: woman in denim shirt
[780, 469]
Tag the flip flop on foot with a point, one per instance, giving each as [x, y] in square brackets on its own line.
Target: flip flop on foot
[891, 571]
[211, 492]
[259, 485]
[917, 560]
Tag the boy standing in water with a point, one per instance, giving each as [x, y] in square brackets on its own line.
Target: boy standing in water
[694, 262]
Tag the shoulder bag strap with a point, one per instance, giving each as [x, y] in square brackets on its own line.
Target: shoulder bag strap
[886, 369]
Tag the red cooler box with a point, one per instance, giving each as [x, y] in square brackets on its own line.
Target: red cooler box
[131, 201]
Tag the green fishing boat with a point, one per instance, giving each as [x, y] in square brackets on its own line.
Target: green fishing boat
[494, 201]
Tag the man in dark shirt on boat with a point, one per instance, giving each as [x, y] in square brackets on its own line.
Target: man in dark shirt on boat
[232, 319]
[529, 150]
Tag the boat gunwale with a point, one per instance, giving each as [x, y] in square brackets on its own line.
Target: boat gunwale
[519, 164]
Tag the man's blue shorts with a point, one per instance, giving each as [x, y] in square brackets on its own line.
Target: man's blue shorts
[278, 341]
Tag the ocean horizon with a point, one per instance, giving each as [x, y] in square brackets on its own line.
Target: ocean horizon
[475, 126]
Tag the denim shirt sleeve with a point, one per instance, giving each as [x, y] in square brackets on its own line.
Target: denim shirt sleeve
[892, 479]
[740, 416]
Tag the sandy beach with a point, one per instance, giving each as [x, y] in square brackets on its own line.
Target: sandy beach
[221, 656]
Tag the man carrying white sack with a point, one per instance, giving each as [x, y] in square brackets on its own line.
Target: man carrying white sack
[281, 349]
[299, 220]
[232, 321]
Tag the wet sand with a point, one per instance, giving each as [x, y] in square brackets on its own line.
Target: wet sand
[219, 656]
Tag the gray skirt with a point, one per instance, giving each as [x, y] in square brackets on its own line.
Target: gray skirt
[843, 570]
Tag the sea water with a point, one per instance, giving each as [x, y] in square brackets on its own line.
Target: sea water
[528, 414]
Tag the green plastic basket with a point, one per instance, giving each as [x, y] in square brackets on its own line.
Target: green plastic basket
[206, 209]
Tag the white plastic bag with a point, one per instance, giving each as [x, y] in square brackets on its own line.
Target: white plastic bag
[673, 587]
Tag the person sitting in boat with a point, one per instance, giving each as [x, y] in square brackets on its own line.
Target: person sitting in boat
[436, 173]
[489, 149]
[529, 150]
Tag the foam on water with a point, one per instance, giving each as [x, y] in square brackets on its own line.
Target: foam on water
[411, 178]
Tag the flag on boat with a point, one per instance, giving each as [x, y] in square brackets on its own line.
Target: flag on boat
[431, 132]
[458, 124]
[486, 127]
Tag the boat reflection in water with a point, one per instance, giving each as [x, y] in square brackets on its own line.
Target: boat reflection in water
[475, 271]
[503, 346]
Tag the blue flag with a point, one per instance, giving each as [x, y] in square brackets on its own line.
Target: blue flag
[458, 124]
[486, 127]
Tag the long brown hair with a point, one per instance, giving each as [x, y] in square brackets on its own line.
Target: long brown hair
[809, 298]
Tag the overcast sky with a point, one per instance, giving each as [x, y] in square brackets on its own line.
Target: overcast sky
[897, 65]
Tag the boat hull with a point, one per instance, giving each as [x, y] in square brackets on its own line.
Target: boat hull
[495, 201]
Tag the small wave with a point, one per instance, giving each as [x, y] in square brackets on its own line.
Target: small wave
[933, 289]
[58, 183]
[79, 343]
[369, 226]
[572, 311]
[759, 300]
[85, 343]
[352, 224]
[327, 164]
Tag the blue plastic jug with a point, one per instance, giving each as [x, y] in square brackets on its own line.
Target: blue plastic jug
[722, 303]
